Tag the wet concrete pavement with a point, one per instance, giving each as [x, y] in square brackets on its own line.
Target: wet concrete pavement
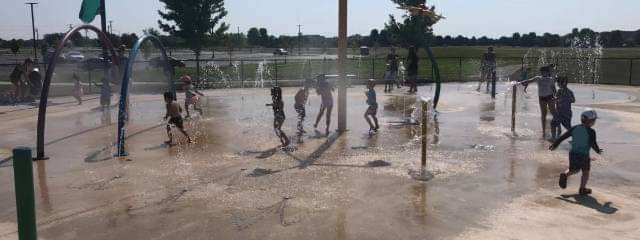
[235, 183]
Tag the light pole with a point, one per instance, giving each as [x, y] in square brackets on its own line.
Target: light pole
[342, 60]
[33, 29]
[299, 40]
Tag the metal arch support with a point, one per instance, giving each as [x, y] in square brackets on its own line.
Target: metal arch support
[124, 90]
[436, 74]
[44, 95]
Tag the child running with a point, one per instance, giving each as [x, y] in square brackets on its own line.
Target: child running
[324, 90]
[564, 98]
[190, 96]
[301, 99]
[546, 90]
[278, 115]
[372, 110]
[77, 89]
[583, 139]
[174, 114]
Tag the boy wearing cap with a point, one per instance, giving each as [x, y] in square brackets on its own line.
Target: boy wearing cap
[583, 139]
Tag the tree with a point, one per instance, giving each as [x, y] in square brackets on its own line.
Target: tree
[636, 38]
[15, 46]
[264, 37]
[53, 39]
[152, 32]
[416, 27]
[253, 37]
[614, 39]
[194, 21]
[385, 39]
[129, 39]
[515, 39]
[374, 37]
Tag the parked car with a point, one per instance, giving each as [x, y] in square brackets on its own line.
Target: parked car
[281, 52]
[364, 51]
[94, 64]
[157, 62]
[74, 56]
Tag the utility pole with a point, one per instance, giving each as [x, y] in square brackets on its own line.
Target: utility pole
[110, 27]
[342, 60]
[299, 40]
[33, 28]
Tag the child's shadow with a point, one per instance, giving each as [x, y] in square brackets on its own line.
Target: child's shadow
[590, 202]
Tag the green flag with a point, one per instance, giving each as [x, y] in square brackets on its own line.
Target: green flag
[89, 10]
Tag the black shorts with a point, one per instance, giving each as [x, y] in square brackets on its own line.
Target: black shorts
[372, 110]
[579, 162]
[546, 99]
[301, 111]
[177, 121]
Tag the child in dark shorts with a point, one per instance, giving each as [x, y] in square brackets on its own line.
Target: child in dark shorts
[278, 115]
[583, 139]
[300, 100]
[564, 98]
[174, 114]
[372, 110]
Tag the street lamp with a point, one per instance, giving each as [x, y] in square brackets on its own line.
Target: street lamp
[33, 28]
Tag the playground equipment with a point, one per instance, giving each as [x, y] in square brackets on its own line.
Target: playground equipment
[25, 194]
[126, 81]
[44, 95]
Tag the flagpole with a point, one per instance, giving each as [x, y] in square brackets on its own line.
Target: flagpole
[103, 24]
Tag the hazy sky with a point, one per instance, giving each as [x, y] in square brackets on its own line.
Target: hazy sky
[467, 17]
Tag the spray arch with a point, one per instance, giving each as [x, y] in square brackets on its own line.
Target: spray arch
[126, 82]
[44, 95]
[436, 75]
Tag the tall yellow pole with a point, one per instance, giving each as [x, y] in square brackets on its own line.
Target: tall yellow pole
[342, 60]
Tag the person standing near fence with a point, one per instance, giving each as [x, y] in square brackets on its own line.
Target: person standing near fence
[487, 68]
[391, 75]
[35, 83]
[16, 78]
[412, 69]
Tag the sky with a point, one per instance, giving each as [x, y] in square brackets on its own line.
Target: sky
[492, 18]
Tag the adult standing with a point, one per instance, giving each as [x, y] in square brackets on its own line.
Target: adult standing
[412, 69]
[35, 83]
[487, 68]
[17, 79]
[325, 90]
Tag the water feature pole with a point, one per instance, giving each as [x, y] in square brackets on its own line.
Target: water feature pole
[425, 121]
[25, 196]
[342, 55]
[493, 85]
[513, 107]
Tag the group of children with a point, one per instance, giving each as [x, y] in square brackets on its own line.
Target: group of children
[558, 103]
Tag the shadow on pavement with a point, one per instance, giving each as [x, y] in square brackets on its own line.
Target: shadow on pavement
[590, 202]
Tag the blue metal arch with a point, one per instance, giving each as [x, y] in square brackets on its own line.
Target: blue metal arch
[44, 95]
[436, 74]
[124, 90]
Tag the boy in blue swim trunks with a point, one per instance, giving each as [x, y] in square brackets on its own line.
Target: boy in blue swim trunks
[372, 110]
[564, 98]
[583, 139]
